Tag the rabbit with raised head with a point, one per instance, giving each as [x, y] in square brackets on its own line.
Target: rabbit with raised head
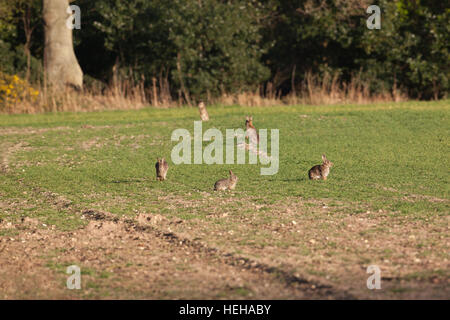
[161, 169]
[203, 112]
[320, 171]
[251, 131]
[226, 184]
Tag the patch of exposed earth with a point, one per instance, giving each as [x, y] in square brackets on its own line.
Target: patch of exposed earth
[321, 242]
[123, 260]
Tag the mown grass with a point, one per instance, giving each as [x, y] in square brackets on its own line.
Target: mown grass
[400, 146]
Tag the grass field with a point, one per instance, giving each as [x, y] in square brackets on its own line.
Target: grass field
[80, 188]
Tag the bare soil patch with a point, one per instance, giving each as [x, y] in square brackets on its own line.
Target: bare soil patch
[317, 242]
[7, 151]
[415, 197]
[123, 260]
[30, 130]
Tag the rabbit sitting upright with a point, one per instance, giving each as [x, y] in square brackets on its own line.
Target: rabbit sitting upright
[320, 171]
[251, 131]
[161, 169]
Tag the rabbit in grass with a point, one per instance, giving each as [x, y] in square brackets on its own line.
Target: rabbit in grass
[320, 171]
[161, 169]
[226, 184]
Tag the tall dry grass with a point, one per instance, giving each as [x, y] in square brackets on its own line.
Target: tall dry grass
[126, 94]
[316, 91]
[121, 96]
[330, 90]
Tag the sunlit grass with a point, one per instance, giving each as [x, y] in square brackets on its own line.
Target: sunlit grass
[382, 154]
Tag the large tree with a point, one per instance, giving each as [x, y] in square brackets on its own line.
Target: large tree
[60, 63]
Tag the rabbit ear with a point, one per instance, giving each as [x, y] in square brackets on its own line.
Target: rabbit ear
[324, 158]
[246, 118]
[231, 173]
[162, 159]
[251, 118]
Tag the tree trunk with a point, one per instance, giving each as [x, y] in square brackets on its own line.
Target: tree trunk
[60, 63]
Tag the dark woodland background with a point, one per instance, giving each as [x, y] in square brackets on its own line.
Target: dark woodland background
[211, 47]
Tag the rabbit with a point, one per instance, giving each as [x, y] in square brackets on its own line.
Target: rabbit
[161, 169]
[226, 184]
[251, 131]
[320, 171]
[203, 112]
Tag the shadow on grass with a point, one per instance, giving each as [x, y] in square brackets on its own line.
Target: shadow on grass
[128, 180]
[293, 180]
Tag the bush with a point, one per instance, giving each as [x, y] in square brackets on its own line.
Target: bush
[14, 61]
[14, 90]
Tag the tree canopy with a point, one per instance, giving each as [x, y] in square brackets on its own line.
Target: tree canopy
[210, 47]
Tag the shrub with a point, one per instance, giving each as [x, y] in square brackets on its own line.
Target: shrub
[14, 90]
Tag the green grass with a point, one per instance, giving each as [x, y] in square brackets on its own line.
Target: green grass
[401, 146]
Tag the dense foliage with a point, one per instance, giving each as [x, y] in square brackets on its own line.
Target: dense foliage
[209, 47]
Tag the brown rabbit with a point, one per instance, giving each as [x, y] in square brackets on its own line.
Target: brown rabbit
[203, 112]
[251, 131]
[226, 184]
[161, 169]
[320, 171]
